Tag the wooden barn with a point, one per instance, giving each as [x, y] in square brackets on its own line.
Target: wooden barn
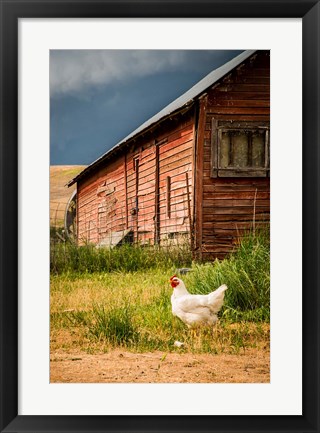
[196, 172]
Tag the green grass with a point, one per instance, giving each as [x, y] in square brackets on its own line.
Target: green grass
[115, 325]
[67, 257]
[121, 298]
[246, 273]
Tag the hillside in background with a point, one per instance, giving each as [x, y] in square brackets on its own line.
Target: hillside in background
[60, 194]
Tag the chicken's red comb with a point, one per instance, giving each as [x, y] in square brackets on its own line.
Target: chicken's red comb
[173, 276]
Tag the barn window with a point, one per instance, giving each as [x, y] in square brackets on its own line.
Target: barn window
[240, 149]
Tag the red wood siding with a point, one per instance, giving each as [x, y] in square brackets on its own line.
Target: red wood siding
[232, 205]
[140, 186]
[125, 194]
[101, 201]
[175, 166]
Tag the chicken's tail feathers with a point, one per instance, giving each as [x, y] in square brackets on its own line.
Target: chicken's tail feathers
[222, 288]
[216, 298]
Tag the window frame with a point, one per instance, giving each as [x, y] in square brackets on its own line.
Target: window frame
[218, 127]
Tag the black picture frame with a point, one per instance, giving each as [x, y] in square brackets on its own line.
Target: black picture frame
[11, 11]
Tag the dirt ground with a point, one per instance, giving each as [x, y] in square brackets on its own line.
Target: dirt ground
[250, 366]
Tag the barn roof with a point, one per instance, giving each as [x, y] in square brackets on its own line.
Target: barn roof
[178, 104]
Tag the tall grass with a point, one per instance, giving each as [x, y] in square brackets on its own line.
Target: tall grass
[114, 325]
[67, 257]
[246, 272]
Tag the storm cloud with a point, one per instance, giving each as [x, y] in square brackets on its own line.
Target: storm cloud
[76, 70]
[73, 71]
[97, 97]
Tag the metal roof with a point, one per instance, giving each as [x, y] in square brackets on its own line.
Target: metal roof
[182, 102]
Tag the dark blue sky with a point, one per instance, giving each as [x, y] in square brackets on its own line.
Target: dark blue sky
[99, 97]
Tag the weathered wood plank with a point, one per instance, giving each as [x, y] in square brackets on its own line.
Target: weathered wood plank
[250, 79]
[174, 195]
[199, 174]
[177, 178]
[257, 71]
[236, 185]
[173, 157]
[242, 87]
[219, 109]
[180, 165]
[229, 225]
[180, 132]
[156, 197]
[207, 218]
[239, 195]
[223, 96]
[247, 103]
[146, 163]
[241, 117]
[238, 210]
[227, 203]
[176, 145]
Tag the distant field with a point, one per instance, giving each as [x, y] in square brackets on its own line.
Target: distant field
[60, 175]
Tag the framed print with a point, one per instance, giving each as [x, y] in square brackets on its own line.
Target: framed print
[241, 145]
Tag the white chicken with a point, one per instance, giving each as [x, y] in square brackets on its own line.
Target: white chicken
[195, 310]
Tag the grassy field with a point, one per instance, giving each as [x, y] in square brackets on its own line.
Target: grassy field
[102, 299]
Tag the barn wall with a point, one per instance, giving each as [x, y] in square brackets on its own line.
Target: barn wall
[143, 188]
[140, 190]
[101, 200]
[175, 182]
[165, 159]
[229, 205]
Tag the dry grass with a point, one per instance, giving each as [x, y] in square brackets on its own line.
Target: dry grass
[84, 291]
[98, 312]
[60, 175]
